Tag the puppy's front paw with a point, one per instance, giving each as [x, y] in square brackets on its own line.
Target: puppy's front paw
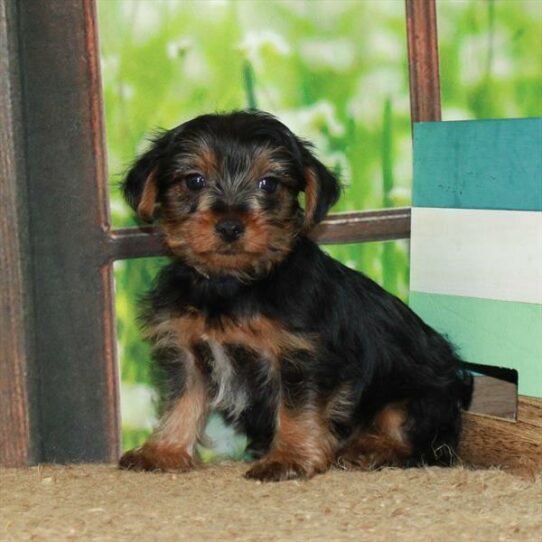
[269, 470]
[156, 457]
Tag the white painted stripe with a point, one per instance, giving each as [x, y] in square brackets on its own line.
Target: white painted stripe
[477, 253]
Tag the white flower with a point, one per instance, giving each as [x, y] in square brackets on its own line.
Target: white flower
[367, 104]
[196, 68]
[337, 55]
[145, 18]
[385, 45]
[256, 45]
[125, 90]
[137, 406]
[313, 123]
[323, 12]
[322, 115]
[178, 48]
[455, 113]
[400, 196]
[120, 211]
[110, 65]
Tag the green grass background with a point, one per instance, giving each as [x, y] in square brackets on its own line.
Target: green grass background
[335, 72]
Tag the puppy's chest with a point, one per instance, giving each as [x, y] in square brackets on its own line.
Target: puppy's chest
[239, 357]
[233, 372]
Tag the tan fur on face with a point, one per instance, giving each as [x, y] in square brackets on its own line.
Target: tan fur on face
[145, 209]
[189, 221]
[311, 196]
[261, 245]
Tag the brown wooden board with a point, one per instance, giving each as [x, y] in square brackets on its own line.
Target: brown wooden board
[494, 397]
[514, 446]
[423, 60]
[16, 371]
[356, 227]
[63, 178]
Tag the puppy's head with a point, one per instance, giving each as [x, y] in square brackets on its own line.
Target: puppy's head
[225, 188]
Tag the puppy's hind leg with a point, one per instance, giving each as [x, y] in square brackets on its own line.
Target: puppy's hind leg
[385, 443]
[171, 447]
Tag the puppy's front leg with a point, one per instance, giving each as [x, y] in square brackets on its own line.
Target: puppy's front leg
[171, 447]
[303, 446]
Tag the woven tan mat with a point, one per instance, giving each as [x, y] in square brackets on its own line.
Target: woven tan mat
[215, 503]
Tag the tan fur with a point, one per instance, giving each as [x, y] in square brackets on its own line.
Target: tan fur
[157, 456]
[261, 246]
[390, 421]
[341, 404]
[311, 196]
[385, 444]
[183, 423]
[145, 209]
[172, 444]
[303, 446]
[258, 333]
[205, 160]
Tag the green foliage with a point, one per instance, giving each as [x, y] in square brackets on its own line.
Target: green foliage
[334, 71]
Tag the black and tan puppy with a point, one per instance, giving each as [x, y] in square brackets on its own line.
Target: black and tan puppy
[314, 362]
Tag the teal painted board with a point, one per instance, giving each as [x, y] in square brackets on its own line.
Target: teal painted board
[483, 164]
[489, 332]
[469, 178]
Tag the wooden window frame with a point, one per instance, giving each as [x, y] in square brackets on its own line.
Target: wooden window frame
[58, 372]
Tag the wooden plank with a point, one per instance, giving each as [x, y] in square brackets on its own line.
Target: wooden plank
[489, 164]
[362, 226]
[494, 397]
[423, 60]
[68, 213]
[516, 447]
[16, 444]
[496, 254]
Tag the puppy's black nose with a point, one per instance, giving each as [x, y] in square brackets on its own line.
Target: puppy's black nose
[230, 229]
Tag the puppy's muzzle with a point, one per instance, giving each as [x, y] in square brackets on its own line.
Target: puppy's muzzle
[230, 229]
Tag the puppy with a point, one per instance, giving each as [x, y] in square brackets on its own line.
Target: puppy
[316, 363]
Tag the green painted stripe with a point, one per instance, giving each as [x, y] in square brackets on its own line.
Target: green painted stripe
[484, 164]
[498, 333]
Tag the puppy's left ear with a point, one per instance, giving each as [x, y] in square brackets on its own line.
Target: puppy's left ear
[140, 186]
[322, 189]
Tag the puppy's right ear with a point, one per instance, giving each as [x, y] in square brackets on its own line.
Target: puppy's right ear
[140, 187]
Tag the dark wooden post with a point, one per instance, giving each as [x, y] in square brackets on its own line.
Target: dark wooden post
[60, 378]
[16, 354]
[423, 60]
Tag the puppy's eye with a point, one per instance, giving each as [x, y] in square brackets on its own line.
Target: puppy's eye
[195, 182]
[268, 184]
